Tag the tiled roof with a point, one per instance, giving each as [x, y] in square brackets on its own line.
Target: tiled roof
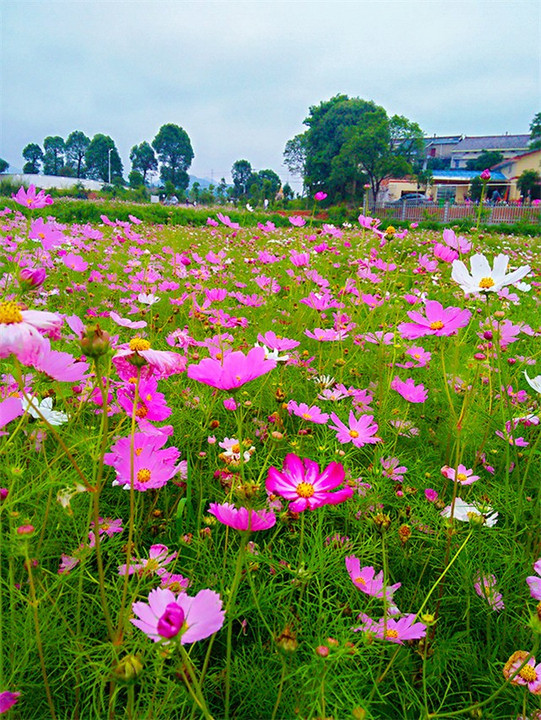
[493, 142]
[512, 160]
[442, 140]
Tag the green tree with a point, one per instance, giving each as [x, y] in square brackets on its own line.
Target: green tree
[241, 173]
[528, 184]
[175, 154]
[295, 155]
[53, 160]
[143, 159]
[535, 132]
[476, 188]
[102, 159]
[486, 159]
[269, 183]
[195, 191]
[350, 141]
[3, 165]
[288, 192]
[136, 179]
[76, 146]
[33, 155]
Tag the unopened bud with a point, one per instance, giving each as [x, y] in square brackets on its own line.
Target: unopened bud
[32, 278]
[128, 668]
[95, 341]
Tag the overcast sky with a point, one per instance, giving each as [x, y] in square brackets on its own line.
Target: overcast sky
[239, 77]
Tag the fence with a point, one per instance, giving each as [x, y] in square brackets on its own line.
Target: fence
[491, 214]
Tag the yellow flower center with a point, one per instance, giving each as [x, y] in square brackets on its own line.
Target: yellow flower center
[360, 581]
[143, 475]
[461, 477]
[138, 343]
[235, 448]
[417, 356]
[104, 526]
[307, 416]
[138, 451]
[528, 673]
[486, 283]
[391, 633]
[353, 434]
[305, 490]
[41, 235]
[142, 411]
[175, 586]
[10, 313]
[436, 325]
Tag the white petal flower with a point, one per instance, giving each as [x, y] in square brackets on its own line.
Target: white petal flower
[482, 278]
[468, 512]
[44, 409]
[534, 383]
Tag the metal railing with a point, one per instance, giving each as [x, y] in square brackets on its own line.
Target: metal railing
[490, 214]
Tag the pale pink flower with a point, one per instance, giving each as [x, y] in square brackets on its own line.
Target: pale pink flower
[167, 616]
[30, 199]
[297, 220]
[233, 371]
[313, 414]
[437, 321]
[462, 475]
[359, 431]
[396, 631]
[19, 329]
[485, 587]
[409, 391]
[534, 581]
[367, 581]
[242, 518]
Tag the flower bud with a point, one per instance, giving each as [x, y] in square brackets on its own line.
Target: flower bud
[32, 278]
[95, 341]
[128, 668]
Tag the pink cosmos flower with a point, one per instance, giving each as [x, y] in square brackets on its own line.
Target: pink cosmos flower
[485, 175]
[396, 631]
[360, 431]
[159, 363]
[106, 526]
[56, 364]
[485, 587]
[242, 518]
[8, 699]
[151, 404]
[10, 408]
[409, 391]
[158, 558]
[297, 220]
[327, 335]
[303, 483]
[320, 196]
[48, 233]
[233, 371]
[444, 253]
[313, 414]
[30, 199]
[173, 581]
[457, 243]
[124, 322]
[392, 469]
[276, 342]
[75, 262]
[367, 581]
[19, 329]
[168, 616]
[152, 467]
[534, 581]
[462, 476]
[437, 321]
[225, 220]
[529, 676]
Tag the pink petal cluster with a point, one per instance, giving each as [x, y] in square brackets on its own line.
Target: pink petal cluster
[242, 518]
[301, 482]
[166, 615]
[30, 199]
[233, 371]
[437, 320]
[534, 581]
[396, 631]
[312, 414]
[409, 391]
[366, 580]
[463, 475]
[359, 431]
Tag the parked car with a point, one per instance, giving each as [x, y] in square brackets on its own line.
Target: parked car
[411, 200]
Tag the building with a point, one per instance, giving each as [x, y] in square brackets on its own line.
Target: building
[46, 182]
[440, 147]
[469, 148]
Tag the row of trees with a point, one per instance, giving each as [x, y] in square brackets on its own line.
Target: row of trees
[98, 158]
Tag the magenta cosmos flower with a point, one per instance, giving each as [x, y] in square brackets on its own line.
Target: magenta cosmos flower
[409, 390]
[159, 363]
[463, 475]
[301, 482]
[158, 558]
[167, 616]
[313, 414]
[366, 580]
[437, 320]
[242, 518]
[396, 631]
[534, 581]
[233, 371]
[361, 431]
[19, 330]
[30, 199]
[8, 700]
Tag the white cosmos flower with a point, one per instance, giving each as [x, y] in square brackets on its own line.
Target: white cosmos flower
[44, 409]
[468, 512]
[147, 299]
[482, 277]
[534, 383]
[272, 354]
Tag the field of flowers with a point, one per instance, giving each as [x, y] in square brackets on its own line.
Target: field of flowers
[282, 473]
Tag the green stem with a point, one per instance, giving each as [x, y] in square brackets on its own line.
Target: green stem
[195, 688]
[229, 615]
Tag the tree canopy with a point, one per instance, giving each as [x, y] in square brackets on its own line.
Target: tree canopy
[175, 153]
[143, 159]
[535, 132]
[241, 172]
[76, 146]
[486, 159]
[102, 164]
[349, 142]
[53, 160]
[33, 155]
